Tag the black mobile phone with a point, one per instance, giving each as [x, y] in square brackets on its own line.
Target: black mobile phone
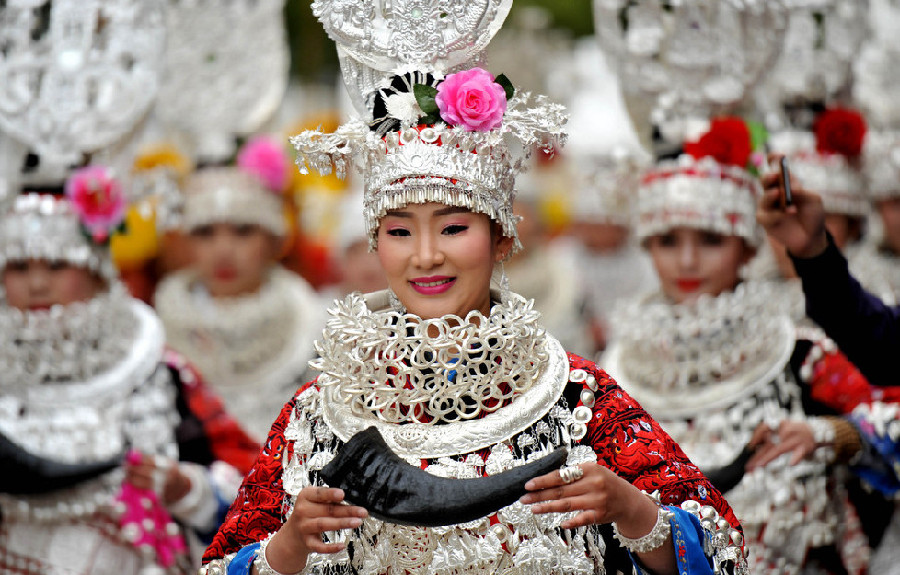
[786, 199]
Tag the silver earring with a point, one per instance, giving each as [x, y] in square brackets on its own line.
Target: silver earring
[395, 302]
[504, 285]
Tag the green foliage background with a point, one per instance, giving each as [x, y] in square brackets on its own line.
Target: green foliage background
[313, 57]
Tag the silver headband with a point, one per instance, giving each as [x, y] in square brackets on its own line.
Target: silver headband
[231, 195]
[46, 228]
[701, 194]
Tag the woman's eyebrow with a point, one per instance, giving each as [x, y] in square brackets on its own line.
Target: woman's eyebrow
[451, 210]
[441, 212]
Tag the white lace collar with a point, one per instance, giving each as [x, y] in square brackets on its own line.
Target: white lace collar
[680, 359]
[249, 339]
[448, 397]
[75, 344]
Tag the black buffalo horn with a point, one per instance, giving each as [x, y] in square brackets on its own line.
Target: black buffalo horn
[392, 490]
[725, 478]
[28, 474]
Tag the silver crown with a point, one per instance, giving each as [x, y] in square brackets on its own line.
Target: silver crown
[440, 163]
[226, 72]
[830, 175]
[876, 83]
[80, 80]
[46, 228]
[823, 38]
[229, 194]
[700, 194]
[377, 39]
[822, 41]
[881, 165]
[691, 58]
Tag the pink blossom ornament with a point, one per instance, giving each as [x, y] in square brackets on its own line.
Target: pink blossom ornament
[264, 158]
[472, 100]
[98, 200]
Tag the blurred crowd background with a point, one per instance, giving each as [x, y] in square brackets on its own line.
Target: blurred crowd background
[163, 94]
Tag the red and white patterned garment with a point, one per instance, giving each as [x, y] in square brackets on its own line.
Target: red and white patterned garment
[620, 435]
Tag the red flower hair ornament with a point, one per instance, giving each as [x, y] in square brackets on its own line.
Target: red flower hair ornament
[97, 198]
[728, 142]
[840, 131]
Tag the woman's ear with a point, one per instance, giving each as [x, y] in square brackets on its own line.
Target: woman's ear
[749, 253]
[278, 246]
[502, 248]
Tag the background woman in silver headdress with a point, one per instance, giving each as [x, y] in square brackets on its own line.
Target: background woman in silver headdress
[244, 320]
[717, 359]
[85, 378]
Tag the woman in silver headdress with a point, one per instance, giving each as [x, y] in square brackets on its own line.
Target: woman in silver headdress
[719, 361]
[244, 320]
[113, 450]
[456, 379]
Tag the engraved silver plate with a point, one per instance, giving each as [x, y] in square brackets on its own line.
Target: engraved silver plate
[77, 75]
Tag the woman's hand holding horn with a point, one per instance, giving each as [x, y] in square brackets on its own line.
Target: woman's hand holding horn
[316, 510]
[600, 496]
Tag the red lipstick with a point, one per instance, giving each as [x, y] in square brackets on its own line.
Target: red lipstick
[688, 285]
[224, 274]
[432, 285]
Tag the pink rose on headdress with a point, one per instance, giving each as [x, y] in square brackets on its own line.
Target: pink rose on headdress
[98, 200]
[264, 158]
[472, 100]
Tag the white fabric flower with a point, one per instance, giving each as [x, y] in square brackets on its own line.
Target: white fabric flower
[403, 106]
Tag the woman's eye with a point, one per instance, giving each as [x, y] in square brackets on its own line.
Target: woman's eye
[17, 266]
[202, 232]
[244, 230]
[667, 240]
[711, 239]
[57, 265]
[398, 232]
[454, 229]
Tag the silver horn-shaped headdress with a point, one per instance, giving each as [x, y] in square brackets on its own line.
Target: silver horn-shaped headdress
[76, 76]
[399, 59]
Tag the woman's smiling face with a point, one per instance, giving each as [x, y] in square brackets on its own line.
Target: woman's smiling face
[41, 284]
[693, 262]
[232, 259]
[438, 259]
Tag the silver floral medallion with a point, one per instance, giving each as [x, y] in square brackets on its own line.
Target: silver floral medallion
[77, 75]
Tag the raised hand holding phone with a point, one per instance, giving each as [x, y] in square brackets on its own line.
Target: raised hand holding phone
[787, 198]
[792, 216]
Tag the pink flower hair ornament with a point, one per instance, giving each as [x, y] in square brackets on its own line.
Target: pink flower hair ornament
[473, 100]
[98, 200]
[264, 158]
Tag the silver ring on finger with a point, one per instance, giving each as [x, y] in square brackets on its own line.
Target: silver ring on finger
[158, 476]
[571, 473]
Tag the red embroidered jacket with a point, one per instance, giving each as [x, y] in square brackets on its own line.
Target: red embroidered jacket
[625, 438]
